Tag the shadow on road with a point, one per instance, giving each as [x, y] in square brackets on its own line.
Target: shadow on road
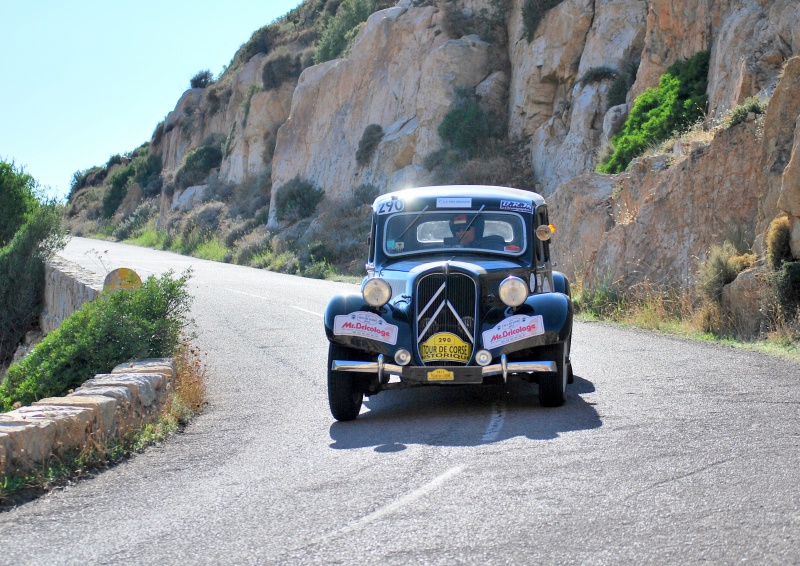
[463, 416]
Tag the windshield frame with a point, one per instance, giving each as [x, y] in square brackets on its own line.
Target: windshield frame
[490, 215]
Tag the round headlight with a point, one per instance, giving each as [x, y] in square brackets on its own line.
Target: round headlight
[513, 291]
[545, 231]
[376, 292]
[483, 357]
[402, 357]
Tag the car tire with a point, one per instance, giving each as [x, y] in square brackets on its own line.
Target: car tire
[553, 385]
[345, 390]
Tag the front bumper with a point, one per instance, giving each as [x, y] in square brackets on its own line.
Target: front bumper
[504, 368]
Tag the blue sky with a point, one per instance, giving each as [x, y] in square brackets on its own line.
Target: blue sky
[83, 80]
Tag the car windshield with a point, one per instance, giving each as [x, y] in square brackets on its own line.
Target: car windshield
[456, 230]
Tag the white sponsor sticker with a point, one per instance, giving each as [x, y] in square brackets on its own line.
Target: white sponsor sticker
[513, 329]
[453, 202]
[515, 206]
[367, 325]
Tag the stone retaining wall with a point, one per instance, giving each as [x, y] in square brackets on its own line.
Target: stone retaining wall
[105, 408]
[67, 287]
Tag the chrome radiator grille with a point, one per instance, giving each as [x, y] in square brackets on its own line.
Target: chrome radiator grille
[446, 304]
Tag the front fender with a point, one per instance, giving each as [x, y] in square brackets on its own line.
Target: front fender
[362, 327]
[556, 312]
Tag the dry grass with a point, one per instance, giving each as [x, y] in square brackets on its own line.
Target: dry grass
[187, 401]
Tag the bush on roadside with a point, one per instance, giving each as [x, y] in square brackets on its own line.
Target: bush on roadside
[17, 200]
[778, 237]
[197, 164]
[297, 199]
[116, 327]
[21, 296]
[722, 266]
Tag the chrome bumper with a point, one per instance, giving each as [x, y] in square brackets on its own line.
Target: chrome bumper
[383, 369]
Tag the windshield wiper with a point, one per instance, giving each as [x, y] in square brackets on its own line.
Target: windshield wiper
[471, 222]
[412, 223]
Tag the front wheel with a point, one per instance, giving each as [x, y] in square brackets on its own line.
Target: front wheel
[553, 385]
[345, 393]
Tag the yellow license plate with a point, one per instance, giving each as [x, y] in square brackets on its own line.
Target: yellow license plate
[441, 375]
[445, 347]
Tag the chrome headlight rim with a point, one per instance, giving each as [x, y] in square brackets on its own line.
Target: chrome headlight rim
[513, 291]
[376, 292]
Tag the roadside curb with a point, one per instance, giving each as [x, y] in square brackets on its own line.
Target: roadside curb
[105, 408]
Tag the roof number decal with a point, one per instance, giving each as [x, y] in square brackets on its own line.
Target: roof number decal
[516, 206]
[391, 206]
[453, 202]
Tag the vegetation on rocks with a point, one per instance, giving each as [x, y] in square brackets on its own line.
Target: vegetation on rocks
[659, 112]
[533, 12]
[30, 233]
[92, 340]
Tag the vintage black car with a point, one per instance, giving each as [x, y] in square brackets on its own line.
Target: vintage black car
[460, 289]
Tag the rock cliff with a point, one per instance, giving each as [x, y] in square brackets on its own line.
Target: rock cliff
[405, 67]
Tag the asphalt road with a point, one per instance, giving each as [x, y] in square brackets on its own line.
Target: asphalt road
[666, 452]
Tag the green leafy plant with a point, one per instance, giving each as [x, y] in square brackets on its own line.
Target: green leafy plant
[337, 30]
[202, 79]
[674, 105]
[372, 136]
[279, 68]
[22, 259]
[197, 164]
[297, 199]
[118, 184]
[739, 113]
[722, 266]
[468, 127]
[17, 200]
[116, 327]
[598, 74]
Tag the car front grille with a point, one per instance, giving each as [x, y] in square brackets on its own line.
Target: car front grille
[446, 303]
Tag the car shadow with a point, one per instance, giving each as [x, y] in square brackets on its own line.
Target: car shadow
[463, 416]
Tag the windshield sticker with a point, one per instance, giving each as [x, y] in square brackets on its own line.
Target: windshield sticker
[513, 329]
[391, 206]
[367, 325]
[453, 202]
[515, 206]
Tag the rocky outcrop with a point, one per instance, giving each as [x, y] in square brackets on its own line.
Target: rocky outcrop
[664, 216]
[401, 74]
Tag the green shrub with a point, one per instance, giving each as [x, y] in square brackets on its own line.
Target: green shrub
[280, 68]
[197, 164]
[598, 74]
[115, 159]
[722, 266]
[114, 328]
[676, 103]
[147, 169]
[372, 136]
[118, 184]
[533, 12]
[21, 295]
[468, 127]
[738, 114]
[17, 200]
[136, 221]
[261, 41]
[202, 79]
[778, 237]
[297, 199]
[336, 32]
[365, 193]
[785, 284]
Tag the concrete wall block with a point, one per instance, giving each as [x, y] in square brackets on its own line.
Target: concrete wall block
[142, 386]
[31, 441]
[151, 365]
[103, 411]
[73, 425]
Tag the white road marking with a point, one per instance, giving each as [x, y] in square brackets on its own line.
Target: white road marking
[496, 424]
[266, 299]
[394, 506]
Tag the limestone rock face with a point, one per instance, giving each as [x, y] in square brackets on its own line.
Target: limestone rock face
[402, 74]
[664, 218]
[779, 145]
[545, 69]
[564, 116]
[748, 52]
